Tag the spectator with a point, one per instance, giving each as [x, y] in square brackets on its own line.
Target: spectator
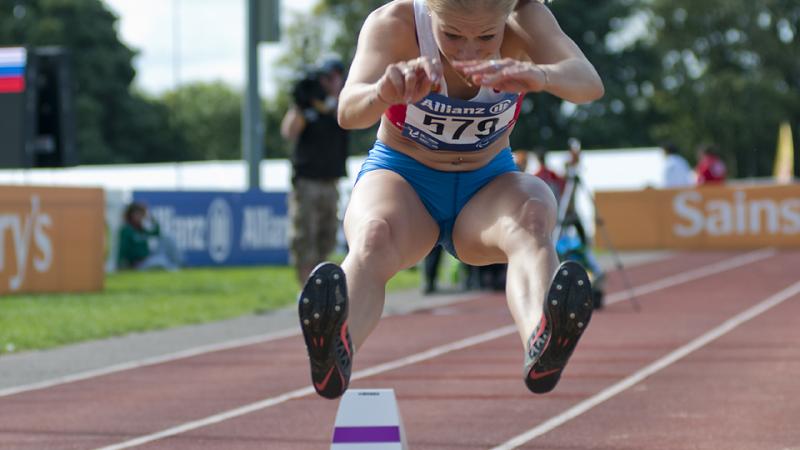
[431, 269]
[141, 244]
[319, 159]
[710, 167]
[553, 180]
[677, 173]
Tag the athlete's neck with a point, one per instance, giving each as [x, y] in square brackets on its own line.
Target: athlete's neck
[458, 86]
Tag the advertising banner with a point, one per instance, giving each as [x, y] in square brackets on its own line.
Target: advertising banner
[51, 239]
[222, 228]
[715, 217]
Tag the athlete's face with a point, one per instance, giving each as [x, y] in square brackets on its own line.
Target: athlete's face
[469, 36]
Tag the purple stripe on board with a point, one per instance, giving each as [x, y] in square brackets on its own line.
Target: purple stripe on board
[343, 435]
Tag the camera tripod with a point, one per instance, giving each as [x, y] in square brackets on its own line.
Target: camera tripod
[568, 217]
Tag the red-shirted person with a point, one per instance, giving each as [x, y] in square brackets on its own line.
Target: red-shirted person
[554, 180]
[710, 167]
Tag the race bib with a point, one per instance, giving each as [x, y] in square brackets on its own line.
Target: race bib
[443, 123]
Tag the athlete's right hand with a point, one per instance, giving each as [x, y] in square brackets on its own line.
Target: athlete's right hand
[408, 81]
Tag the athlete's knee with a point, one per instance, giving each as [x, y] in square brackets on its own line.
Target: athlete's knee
[535, 219]
[373, 239]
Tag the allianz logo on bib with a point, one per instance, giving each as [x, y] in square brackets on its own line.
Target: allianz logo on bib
[500, 107]
[444, 108]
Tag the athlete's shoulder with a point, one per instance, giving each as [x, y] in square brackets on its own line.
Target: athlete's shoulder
[394, 17]
[391, 30]
[530, 14]
[528, 25]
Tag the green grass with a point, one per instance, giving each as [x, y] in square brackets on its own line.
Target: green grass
[142, 301]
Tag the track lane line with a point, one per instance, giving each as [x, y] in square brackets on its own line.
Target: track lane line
[660, 364]
[675, 280]
[169, 357]
[692, 275]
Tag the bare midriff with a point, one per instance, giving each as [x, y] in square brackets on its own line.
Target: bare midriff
[442, 160]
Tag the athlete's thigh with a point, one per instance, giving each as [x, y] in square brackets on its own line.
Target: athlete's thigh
[483, 228]
[382, 195]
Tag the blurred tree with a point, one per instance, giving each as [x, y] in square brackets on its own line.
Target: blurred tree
[731, 74]
[209, 117]
[147, 134]
[608, 33]
[112, 121]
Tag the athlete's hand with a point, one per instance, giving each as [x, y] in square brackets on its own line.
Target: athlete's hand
[507, 75]
[408, 81]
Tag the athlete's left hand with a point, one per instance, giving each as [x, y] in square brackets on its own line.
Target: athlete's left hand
[507, 74]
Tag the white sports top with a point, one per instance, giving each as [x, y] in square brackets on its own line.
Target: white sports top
[439, 122]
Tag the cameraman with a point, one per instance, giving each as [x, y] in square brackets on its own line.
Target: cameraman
[319, 159]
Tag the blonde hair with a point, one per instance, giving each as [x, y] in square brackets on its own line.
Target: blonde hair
[501, 6]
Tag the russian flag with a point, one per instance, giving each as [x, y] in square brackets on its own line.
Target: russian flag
[12, 70]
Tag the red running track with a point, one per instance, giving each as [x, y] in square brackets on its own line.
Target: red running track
[734, 389]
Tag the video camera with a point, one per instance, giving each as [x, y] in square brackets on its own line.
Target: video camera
[308, 89]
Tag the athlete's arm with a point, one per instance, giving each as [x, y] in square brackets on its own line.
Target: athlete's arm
[385, 69]
[569, 74]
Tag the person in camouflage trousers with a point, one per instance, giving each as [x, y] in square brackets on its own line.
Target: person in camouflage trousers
[319, 160]
[313, 206]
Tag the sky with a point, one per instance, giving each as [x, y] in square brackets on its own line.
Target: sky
[204, 41]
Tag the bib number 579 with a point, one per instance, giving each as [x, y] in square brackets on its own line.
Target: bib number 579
[438, 125]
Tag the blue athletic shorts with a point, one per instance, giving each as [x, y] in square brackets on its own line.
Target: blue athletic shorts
[444, 194]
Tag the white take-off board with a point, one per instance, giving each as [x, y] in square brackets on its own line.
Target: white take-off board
[368, 419]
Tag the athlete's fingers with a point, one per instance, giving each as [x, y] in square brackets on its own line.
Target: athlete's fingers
[425, 67]
[410, 79]
[476, 70]
[424, 72]
[517, 78]
[511, 86]
[483, 67]
[397, 83]
[503, 83]
[433, 69]
[421, 88]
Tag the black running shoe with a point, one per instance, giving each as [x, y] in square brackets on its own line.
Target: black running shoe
[567, 311]
[322, 306]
